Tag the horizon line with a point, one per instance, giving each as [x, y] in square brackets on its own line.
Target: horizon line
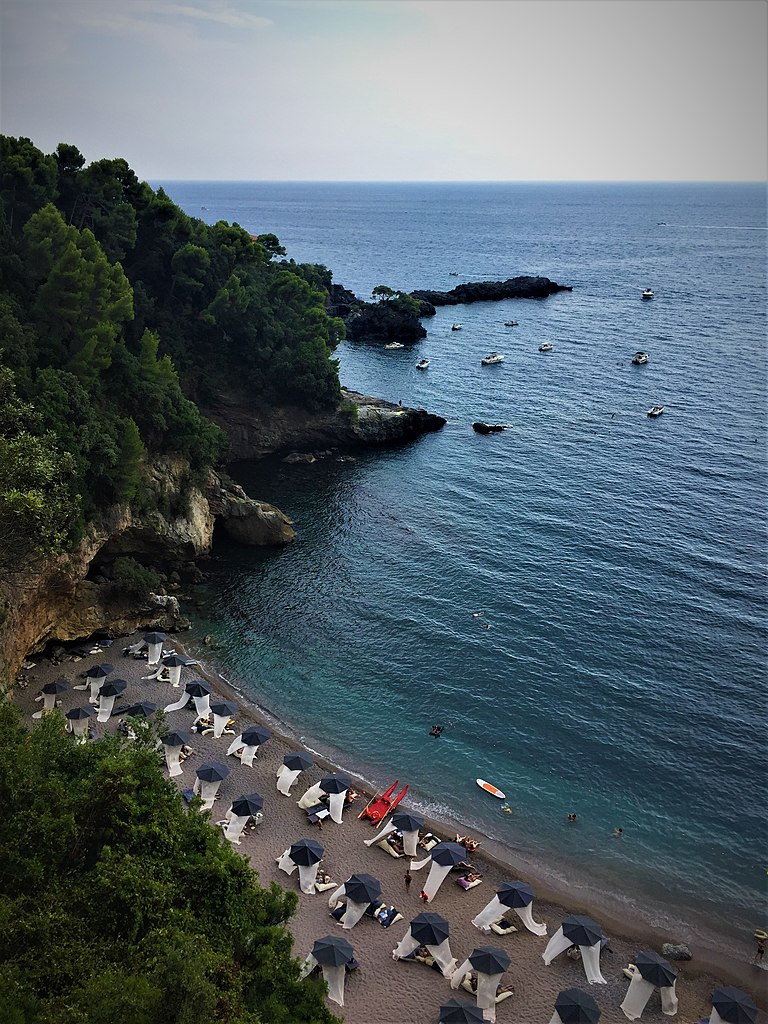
[467, 181]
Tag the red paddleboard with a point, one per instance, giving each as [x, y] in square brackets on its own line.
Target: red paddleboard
[489, 788]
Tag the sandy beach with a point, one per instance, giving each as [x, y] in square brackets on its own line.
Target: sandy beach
[383, 990]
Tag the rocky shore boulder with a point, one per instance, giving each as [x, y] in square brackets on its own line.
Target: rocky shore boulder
[488, 428]
[492, 291]
[246, 520]
[676, 951]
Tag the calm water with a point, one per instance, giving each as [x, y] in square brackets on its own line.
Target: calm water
[619, 562]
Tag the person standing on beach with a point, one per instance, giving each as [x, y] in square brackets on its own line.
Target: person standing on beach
[408, 879]
[760, 951]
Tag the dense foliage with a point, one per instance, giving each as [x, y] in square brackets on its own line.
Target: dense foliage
[117, 905]
[119, 317]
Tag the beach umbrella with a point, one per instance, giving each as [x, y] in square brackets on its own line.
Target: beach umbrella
[429, 929]
[197, 688]
[448, 854]
[656, 969]
[515, 894]
[212, 771]
[362, 888]
[490, 960]
[57, 686]
[224, 708]
[175, 739]
[306, 852]
[255, 735]
[734, 1006]
[458, 1011]
[187, 661]
[576, 1007]
[154, 638]
[174, 661]
[99, 671]
[333, 951]
[142, 709]
[297, 761]
[247, 805]
[113, 688]
[78, 714]
[335, 784]
[406, 822]
[582, 931]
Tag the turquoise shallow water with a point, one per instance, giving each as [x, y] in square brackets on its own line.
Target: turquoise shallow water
[618, 561]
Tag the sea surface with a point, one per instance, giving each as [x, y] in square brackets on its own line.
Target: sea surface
[617, 668]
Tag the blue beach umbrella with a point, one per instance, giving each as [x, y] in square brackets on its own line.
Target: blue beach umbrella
[576, 1007]
[515, 894]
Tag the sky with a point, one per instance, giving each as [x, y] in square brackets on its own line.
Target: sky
[394, 90]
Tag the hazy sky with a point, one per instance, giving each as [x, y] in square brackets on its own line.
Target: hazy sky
[394, 89]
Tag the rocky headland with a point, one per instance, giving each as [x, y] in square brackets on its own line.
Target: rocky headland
[493, 291]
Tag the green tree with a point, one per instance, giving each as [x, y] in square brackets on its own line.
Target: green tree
[100, 897]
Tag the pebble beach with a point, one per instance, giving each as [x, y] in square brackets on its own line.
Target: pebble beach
[383, 990]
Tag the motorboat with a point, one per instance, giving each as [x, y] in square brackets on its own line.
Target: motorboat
[382, 803]
[491, 359]
[511, 323]
[546, 347]
[422, 364]
[640, 358]
[655, 411]
[456, 327]
[647, 293]
[394, 344]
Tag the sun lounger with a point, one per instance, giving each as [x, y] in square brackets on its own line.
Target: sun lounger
[385, 915]
[324, 886]
[428, 841]
[386, 846]
[503, 927]
[464, 884]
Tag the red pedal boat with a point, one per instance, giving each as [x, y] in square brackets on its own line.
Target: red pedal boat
[382, 804]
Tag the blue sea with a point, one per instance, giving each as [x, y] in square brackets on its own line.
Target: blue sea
[617, 668]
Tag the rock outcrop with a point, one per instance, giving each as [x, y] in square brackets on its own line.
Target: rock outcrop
[488, 428]
[492, 291]
[246, 520]
[360, 421]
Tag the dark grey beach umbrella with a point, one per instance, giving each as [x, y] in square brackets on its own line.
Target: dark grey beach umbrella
[99, 671]
[734, 1006]
[113, 688]
[174, 661]
[224, 708]
[255, 735]
[490, 960]
[298, 761]
[142, 709]
[57, 686]
[78, 714]
[175, 739]
[335, 784]
[333, 951]
[306, 852]
[362, 888]
[407, 822]
[250, 804]
[154, 638]
[515, 894]
[430, 929]
[448, 854]
[576, 1007]
[212, 771]
[656, 969]
[582, 931]
[459, 1011]
[197, 688]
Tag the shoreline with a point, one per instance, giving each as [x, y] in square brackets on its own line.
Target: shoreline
[286, 823]
[590, 897]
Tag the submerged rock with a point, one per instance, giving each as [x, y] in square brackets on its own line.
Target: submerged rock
[488, 428]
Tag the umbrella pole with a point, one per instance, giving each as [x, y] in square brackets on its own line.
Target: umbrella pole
[368, 805]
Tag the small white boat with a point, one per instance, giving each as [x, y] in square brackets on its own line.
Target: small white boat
[394, 344]
[655, 411]
[511, 323]
[640, 358]
[422, 364]
[546, 347]
[491, 359]
[456, 327]
[647, 293]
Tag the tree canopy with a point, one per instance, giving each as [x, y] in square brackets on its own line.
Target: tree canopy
[117, 904]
